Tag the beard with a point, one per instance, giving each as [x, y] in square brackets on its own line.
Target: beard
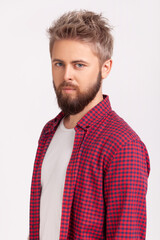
[73, 105]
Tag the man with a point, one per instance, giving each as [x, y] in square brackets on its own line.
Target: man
[91, 169]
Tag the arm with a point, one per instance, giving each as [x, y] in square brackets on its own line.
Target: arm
[125, 188]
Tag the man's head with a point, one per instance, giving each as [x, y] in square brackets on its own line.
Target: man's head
[87, 27]
[81, 48]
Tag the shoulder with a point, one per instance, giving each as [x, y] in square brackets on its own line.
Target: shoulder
[122, 142]
[48, 126]
[51, 124]
[119, 130]
[118, 134]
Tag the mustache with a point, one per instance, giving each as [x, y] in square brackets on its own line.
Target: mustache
[67, 84]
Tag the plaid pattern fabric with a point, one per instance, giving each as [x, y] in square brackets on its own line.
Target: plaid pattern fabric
[106, 179]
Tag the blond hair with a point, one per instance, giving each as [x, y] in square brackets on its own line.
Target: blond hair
[85, 26]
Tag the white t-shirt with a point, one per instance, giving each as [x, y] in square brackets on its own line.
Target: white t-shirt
[52, 180]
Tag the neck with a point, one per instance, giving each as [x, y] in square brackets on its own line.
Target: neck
[70, 121]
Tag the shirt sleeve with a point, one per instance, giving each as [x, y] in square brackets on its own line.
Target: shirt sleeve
[125, 188]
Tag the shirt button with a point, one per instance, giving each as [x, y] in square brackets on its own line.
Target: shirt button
[87, 126]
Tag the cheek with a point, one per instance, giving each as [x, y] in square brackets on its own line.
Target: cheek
[91, 75]
[57, 75]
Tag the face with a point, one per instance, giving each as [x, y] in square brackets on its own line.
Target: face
[76, 75]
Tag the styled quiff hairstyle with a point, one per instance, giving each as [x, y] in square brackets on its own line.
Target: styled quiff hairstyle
[84, 26]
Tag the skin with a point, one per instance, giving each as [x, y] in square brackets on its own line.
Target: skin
[74, 62]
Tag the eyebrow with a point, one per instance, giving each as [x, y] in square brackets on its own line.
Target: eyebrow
[75, 61]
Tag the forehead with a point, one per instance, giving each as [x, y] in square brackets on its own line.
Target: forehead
[73, 49]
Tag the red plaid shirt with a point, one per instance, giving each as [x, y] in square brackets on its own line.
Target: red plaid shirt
[106, 179]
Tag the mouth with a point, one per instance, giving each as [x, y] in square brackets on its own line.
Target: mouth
[68, 89]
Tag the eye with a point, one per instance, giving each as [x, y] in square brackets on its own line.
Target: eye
[58, 64]
[79, 65]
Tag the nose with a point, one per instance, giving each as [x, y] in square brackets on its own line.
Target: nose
[68, 73]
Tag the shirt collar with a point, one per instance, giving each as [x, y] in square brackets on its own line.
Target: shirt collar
[96, 113]
[90, 118]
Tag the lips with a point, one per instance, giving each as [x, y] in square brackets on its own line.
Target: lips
[68, 88]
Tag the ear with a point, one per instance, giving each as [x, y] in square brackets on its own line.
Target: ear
[106, 68]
